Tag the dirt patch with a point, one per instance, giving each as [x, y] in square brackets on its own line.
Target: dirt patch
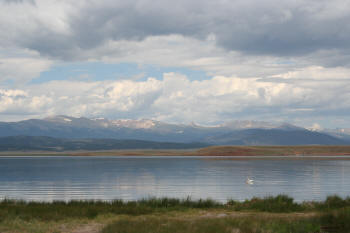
[88, 228]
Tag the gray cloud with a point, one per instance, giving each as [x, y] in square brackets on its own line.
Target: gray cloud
[282, 60]
[282, 28]
[256, 27]
[269, 27]
[18, 1]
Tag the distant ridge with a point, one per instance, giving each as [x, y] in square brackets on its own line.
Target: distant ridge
[41, 143]
[276, 137]
[231, 133]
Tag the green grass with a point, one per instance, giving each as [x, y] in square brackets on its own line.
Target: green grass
[90, 209]
[333, 202]
[269, 214]
[338, 220]
[58, 210]
[211, 225]
[333, 221]
[278, 204]
[286, 204]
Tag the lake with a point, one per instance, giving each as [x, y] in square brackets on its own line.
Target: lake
[130, 178]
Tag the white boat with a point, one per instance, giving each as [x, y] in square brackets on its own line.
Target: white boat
[249, 181]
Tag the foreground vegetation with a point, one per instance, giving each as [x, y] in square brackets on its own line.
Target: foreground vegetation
[270, 214]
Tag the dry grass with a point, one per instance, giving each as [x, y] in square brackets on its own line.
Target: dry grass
[208, 151]
[273, 150]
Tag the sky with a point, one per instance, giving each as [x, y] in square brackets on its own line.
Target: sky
[180, 61]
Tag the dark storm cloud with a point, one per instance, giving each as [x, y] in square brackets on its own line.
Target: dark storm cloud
[134, 20]
[270, 27]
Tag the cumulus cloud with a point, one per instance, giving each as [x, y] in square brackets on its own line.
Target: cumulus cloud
[285, 60]
[22, 69]
[18, 102]
[175, 98]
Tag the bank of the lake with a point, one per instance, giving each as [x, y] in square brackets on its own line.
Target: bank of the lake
[208, 151]
[51, 177]
[270, 214]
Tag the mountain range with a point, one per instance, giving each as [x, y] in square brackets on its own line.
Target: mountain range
[43, 143]
[56, 128]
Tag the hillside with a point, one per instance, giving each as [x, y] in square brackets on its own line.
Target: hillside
[41, 143]
[276, 137]
[231, 133]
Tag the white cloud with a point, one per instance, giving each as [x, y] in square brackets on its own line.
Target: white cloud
[287, 60]
[174, 98]
[20, 70]
[316, 127]
[318, 73]
[20, 103]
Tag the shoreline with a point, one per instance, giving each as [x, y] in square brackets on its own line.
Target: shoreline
[213, 151]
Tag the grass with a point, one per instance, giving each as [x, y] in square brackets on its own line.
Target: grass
[59, 210]
[333, 221]
[273, 150]
[286, 204]
[208, 151]
[278, 204]
[211, 225]
[269, 214]
[338, 221]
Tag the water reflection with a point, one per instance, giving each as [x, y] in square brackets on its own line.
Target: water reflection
[130, 178]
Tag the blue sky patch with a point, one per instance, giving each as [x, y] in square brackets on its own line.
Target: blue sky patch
[98, 71]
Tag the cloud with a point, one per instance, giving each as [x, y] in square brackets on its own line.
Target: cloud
[180, 51]
[18, 1]
[286, 60]
[20, 70]
[55, 28]
[231, 38]
[175, 98]
[19, 102]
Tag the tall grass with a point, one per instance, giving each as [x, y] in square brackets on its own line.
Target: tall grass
[211, 225]
[278, 204]
[333, 202]
[139, 216]
[285, 204]
[90, 209]
[336, 221]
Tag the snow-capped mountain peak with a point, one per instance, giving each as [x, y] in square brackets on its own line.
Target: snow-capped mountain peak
[248, 124]
[135, 124]
[232, 133]
[59, 119]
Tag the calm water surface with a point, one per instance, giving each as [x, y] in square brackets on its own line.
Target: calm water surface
[130, 178]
